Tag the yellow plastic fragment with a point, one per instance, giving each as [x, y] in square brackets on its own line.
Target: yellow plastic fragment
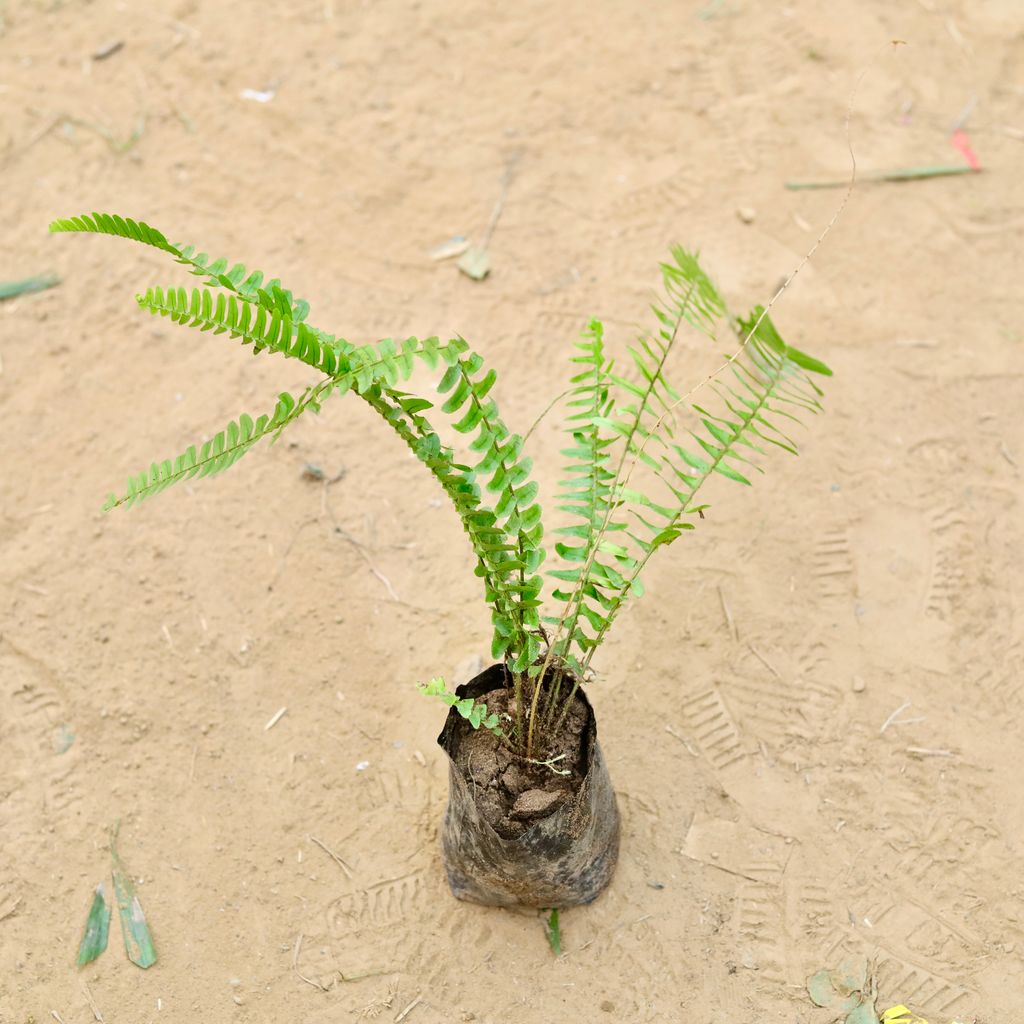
[901, 1015]
[904, 1015]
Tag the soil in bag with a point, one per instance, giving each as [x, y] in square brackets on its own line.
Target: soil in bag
[518, 833]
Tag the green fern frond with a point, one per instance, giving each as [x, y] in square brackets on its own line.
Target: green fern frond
[505, 473]
[113, 224]
[689, 293]
[773, 383]
[514, 607]
[494, 498]
[587, 492]
[217, 454]
[222, 312]
[271, 295]
[640, 420]
[362, 370]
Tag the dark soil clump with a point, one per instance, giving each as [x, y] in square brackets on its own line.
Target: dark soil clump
[510, 792]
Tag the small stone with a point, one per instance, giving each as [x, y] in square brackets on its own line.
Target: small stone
[858, 684]
[747, 214]
[534, 803]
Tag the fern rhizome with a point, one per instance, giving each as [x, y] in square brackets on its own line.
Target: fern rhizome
[632, 476]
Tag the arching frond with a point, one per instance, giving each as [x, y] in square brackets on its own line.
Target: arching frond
[634, 413]
[772, 389]
[506, 545]
[272, 295]
[505, 473]
[222, 312]
[217, 454]
[364, 369]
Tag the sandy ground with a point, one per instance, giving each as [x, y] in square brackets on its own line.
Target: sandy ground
[777, 826]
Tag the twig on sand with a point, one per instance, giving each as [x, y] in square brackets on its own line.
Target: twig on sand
[764, 661]
[499, 206]
[475, 262]
[295, 965]
[330, 853]
[284, 557]
[899, 174]
[682, 739]
[37, 136]
[894, 718]
[727, 612]
[355, 543]
[412, 1006]
[278, 715]
[927, 752]
[92, 1003]
[11, 910]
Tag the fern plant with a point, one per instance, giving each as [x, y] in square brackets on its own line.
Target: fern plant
[639, 451]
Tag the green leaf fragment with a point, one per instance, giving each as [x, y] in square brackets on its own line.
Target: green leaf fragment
[842, 989]
[138, 943]
[767, 332]
[97, 928]
[39, 283]
[554, 932]
[863, 1014]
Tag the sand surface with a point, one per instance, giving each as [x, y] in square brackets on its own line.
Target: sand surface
[771, 824]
